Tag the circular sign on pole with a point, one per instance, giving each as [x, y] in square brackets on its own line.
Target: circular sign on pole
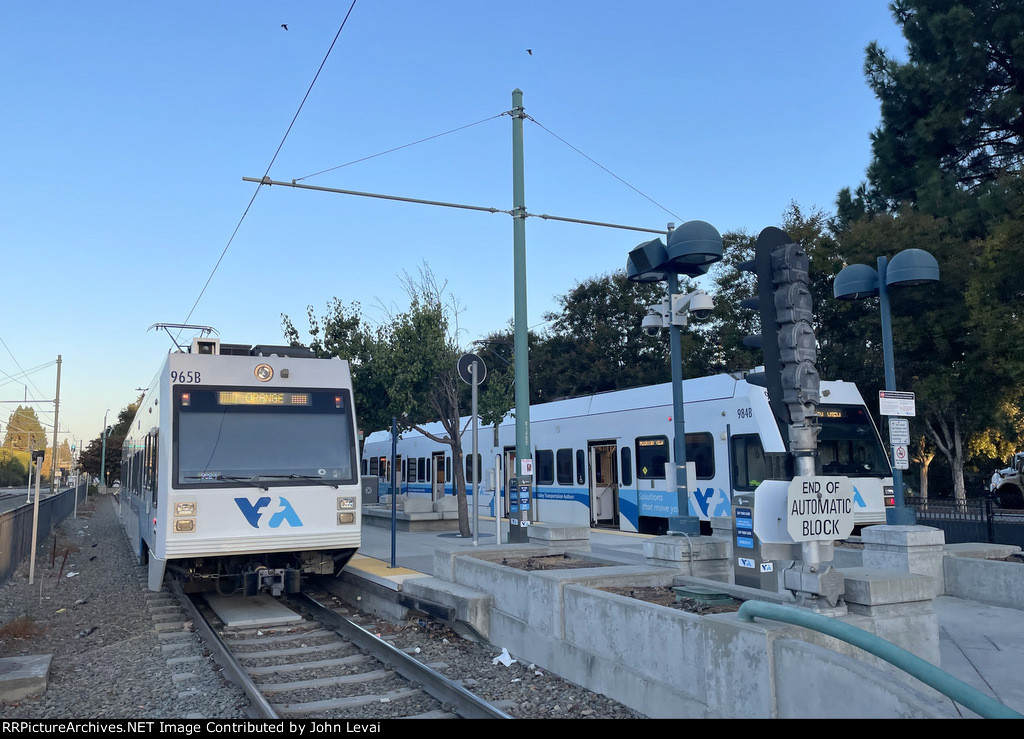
[465, 368]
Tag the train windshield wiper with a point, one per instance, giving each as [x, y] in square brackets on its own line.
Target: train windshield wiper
[303, 477]
[254, 481]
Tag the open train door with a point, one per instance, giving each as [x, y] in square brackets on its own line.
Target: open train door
[437, 486]
[604, 488]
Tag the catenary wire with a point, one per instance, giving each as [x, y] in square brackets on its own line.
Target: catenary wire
[271, 164]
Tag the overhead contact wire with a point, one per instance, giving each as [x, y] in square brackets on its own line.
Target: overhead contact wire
[272, 160]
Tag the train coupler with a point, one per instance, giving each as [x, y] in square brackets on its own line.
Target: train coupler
[276, 581]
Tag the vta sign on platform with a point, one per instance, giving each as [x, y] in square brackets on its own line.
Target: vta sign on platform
[820, 508]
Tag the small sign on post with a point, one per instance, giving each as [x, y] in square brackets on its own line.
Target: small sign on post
[899, 431]
[893, 403]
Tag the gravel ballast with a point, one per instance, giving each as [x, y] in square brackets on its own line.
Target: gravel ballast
[120, 651]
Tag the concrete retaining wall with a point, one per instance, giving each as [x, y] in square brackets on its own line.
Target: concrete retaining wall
[970, 575]
[16, 527]
[669, 663]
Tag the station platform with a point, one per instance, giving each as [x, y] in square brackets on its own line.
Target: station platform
[980, 644]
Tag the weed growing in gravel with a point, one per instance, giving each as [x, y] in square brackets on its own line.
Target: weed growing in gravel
[20, 628]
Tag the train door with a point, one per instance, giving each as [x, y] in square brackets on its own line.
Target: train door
[509, 467]
[437, 486]
[604, 489]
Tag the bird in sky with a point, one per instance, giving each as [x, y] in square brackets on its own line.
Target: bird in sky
[284, 26]
[530, 52]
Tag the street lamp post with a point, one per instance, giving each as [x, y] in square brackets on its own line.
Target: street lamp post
[103, 455]
[858, 281]
[689, 250]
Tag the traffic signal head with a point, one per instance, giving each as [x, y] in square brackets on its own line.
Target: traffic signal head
[787, 338]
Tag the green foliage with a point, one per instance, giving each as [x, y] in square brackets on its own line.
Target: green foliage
[953, 113]
[13, 468]
[24, 431]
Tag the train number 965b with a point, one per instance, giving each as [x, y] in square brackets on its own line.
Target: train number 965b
[190, 377]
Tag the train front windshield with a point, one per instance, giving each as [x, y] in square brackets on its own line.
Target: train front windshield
[235, 436]
[848, 443]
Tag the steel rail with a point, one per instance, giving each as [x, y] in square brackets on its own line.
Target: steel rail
[464, 703]
[259, 706]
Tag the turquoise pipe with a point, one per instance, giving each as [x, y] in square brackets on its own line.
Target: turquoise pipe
[925, 671]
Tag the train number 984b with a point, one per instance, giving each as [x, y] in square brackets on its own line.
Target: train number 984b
[189, 377]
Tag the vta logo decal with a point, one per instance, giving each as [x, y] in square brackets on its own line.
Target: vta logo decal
[253, 513]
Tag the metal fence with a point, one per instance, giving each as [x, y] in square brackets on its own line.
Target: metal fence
[16, 527]
[971, 520]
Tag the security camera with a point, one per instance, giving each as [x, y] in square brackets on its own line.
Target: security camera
[652, 322]
[701, 306]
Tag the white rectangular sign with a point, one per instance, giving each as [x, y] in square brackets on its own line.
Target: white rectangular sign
[899, 431]
[900, 457]
[893, 403]
[820, 508]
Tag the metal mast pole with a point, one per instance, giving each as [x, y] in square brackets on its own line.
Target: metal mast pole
[56, 414]
[522, 363]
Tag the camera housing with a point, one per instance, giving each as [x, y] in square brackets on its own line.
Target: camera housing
[652, 323]
[701, 306]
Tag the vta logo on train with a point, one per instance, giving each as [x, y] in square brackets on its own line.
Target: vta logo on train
[253, 513]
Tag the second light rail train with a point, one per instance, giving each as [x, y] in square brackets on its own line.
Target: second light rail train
[600, 460]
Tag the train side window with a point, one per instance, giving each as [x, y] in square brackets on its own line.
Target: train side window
[447, 468]
[651, 457]
[427, 467]
[421, 469]
[544, 460]
[373, 466]
[155, 458]
[700, 449]
[749, 467]
[626, 467]
[364, 465]
[563, 466]
[581, 467]
[410, 470]
[469, 469]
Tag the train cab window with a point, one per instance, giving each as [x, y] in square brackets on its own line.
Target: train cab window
[581, 467]
[544, 461]
[373, 466]
[700, 449]
[364, 467]
[626, 469]
[563, 466]
[652, 455]
[749, 467]
[469, 469]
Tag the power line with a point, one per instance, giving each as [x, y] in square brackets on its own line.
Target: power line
[598, 164]
[397, 148]
[272, 160]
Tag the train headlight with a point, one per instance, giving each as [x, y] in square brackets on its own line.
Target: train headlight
[184, 525]
[346, 504]
[344, 518]
[185, 509]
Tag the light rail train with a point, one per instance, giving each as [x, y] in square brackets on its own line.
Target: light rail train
[600, 460]
[240, 469]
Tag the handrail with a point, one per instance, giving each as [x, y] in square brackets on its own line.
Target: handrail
[957, 690]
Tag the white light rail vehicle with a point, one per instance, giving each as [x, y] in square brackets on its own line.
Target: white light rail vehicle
[606, 460]
[240, 469]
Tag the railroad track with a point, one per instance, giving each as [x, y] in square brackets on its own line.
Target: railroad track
[328, 667]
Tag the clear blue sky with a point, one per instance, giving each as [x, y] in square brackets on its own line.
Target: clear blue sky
[126, 130]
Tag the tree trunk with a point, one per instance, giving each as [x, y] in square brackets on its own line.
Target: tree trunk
[924, 456]
[948, 439]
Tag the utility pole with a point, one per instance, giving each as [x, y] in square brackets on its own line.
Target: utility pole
[56, 414]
